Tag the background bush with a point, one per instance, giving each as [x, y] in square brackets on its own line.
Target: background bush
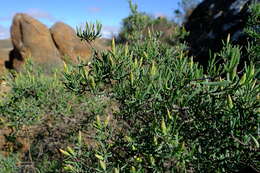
[44, 115]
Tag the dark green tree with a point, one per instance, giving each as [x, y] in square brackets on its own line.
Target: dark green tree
[185, 8]
[133, 24]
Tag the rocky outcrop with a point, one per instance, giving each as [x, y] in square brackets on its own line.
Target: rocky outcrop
[212, 21]
[47, 47]
[67, 42]
[30, 38]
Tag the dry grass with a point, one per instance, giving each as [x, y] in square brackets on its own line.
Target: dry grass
[6, 44]
[5, 47]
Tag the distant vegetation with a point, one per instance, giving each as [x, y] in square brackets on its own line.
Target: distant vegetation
[142, 106]
[137, 24]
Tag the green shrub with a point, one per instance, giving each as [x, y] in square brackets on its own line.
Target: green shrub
[41, 110]
[34, 95]
[175, 116]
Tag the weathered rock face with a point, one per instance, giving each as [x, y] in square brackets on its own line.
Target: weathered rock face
[212, 21]
[30, 38]
[47, 47]
[67, 42]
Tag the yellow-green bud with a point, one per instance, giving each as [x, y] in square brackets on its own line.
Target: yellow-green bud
[135, 63]
[149, 33]
[252, 72]
[133, 170]
[145, 55]
[126, 49]
[228, 38]
[243, 79]
[220, 79]
[80, 138]
[69, 168]
[230, 102]
[155, 141]
[138, 159]
[132, 78]
[107, 120]
[111, 61]
[153, 69]
[181, 56]
[128, 139]
[113, 46]
[163, 127]
[102, 165]
[98, 121]
[253, 84]
[141, 62]
[169, 114]
[65, 67]
[152, 160]
[70, 150]
[99, 157]
[64, 152]
[191, 63]
[116, 170]
[233, 74]
[92, 82]
[133, 148]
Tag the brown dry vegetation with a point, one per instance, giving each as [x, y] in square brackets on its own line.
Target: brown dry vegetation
[5, 47]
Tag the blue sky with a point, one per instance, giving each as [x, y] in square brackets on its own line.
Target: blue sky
[75, 12]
